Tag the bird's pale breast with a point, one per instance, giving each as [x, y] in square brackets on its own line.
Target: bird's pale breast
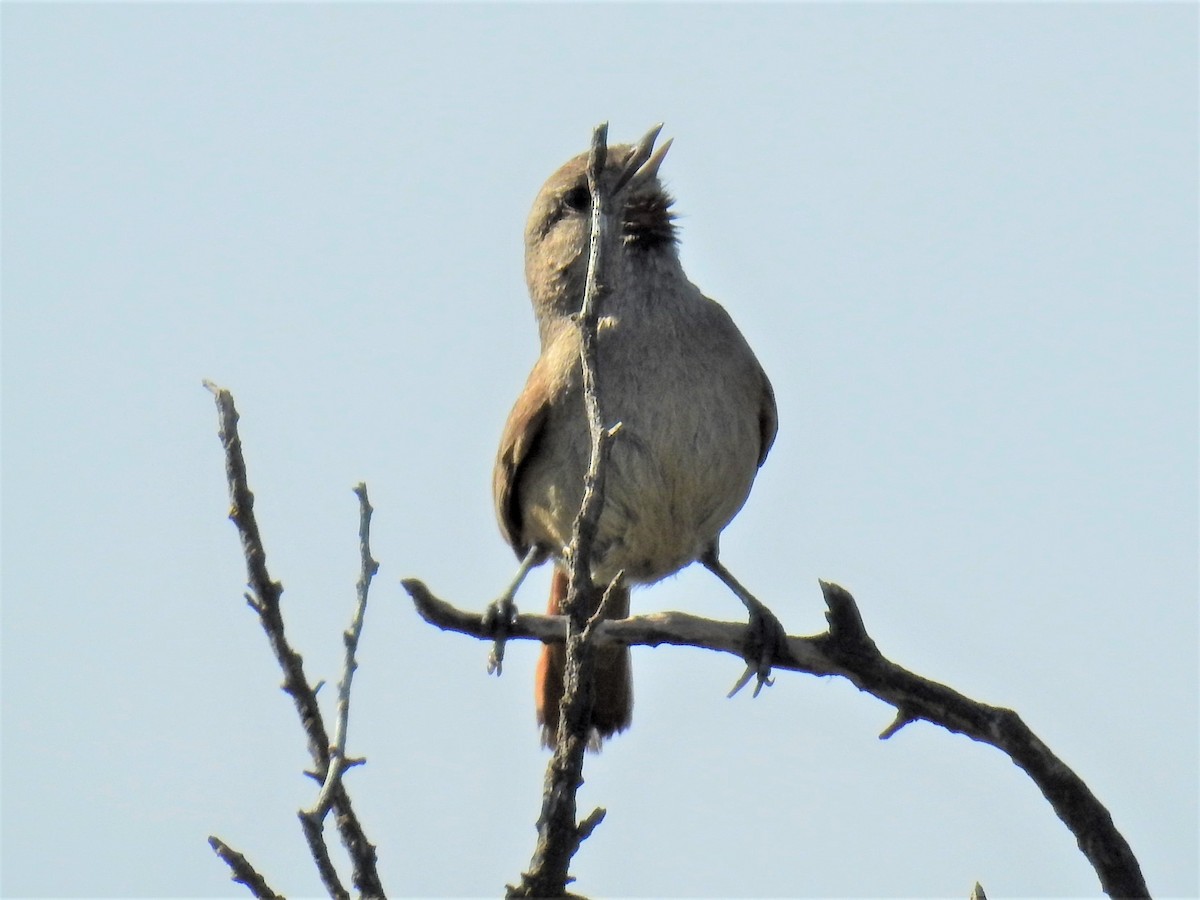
[687, 390]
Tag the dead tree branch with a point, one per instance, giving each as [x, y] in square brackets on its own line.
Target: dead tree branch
[846, 650]
[338, 763]
[559, 835]
[243, 872]
[264, 599]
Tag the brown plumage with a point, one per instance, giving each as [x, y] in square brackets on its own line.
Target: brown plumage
[696, 410]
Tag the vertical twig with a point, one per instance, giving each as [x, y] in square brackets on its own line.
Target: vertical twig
[338, 761]
[312, 821]
[559, 836]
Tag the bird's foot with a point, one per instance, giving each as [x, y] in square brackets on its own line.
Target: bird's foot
[498, 619]
[766, 641]
[501, 614]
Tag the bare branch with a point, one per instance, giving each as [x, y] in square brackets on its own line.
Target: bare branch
[804, 654]
[314, 834]
[243, 872]
[559, 836]
[337, 752]
[264, 597]
[846, 650]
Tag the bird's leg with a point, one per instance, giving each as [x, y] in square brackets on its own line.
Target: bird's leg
[765, 638]
[502, 612]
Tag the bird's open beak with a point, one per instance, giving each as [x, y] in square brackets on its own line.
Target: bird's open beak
[643, 164]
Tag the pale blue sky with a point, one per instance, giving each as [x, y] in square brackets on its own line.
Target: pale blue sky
[962, 240]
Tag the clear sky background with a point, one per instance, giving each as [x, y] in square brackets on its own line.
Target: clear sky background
[962, 240]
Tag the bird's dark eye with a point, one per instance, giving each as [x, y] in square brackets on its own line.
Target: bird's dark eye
[578, 198]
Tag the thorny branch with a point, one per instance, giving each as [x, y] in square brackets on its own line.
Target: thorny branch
[846, 650]
[559, 835]
[264, 597]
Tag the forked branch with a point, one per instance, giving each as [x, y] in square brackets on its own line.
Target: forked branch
[263, 597]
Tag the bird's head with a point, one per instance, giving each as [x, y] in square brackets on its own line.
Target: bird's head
[559, 226]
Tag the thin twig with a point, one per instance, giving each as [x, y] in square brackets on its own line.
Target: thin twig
[350, 637]
[559, 835]
[314, 835]
[264, 598]
[847, 650]
[243, 872]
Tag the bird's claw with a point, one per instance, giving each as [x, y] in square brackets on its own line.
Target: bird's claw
[765, 643]
[499, 618]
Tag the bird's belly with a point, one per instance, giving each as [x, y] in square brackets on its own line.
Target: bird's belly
[672, 484]
[665, 506]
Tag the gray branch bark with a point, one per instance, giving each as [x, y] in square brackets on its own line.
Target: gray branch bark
[847, 651]
[264, 599]
[559, 834]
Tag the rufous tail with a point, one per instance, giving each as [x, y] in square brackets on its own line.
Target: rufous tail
[612, 707]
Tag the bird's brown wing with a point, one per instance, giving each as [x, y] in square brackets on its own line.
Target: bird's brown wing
[518, 442]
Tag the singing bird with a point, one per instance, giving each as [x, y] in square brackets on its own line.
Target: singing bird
[696, 410]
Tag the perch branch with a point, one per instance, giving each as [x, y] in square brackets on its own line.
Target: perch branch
[264, 598]
[846, 650]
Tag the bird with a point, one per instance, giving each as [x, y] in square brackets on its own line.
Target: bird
[697, 417]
